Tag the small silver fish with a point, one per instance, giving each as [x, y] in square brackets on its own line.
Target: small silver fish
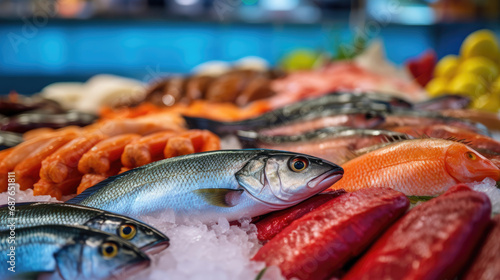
[36, 214]
[205, 186]
[74, 252]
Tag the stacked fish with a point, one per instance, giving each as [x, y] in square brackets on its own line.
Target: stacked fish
[74, 241]
[315, 217]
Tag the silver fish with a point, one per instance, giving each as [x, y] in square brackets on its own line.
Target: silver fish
[205, 186]
[36, 214]
[335, 144]
[73, 252]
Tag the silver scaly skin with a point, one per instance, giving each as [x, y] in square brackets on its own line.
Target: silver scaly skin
[73, 252]
[35, 214]
[231, 183]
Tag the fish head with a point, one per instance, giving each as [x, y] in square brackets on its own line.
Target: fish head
[367, 119]
[281, 179]
[138, 233]
[466, 165]
[99, 256]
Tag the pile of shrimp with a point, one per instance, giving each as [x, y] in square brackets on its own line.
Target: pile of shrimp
[69, 160]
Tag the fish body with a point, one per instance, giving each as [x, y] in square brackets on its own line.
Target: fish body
[402, 117]
[444, 102]
[422, 167]
[36, 214]
[334, 144]
[307, 110]
[74, 252]
[474, 139]
[206, 186]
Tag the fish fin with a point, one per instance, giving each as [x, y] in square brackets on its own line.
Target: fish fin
[219, 128]
[458, 140]
[395, 137]
[220, 197]
[88, 192]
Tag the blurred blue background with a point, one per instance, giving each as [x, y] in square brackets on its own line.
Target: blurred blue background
[38, 49]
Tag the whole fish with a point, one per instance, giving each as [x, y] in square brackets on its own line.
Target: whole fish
[334, 143]
[349, 117]
[205, 186]
[473, 139]
[403, 117]
[490, 120]
[444, 102]
[421, 167]
[328, 105]
[74, 252]
[35, 214]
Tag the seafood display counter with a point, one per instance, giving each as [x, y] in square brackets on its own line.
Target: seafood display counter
[356, 169]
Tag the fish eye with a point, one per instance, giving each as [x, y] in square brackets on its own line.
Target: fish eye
[471, 155]
[369, 116]
[127, 231]
[109, 250]
[298, 164]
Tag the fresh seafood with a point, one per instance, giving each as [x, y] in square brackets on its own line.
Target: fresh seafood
[424, 167]
[444, 102]
[28, 121]
[205, 186]
[74, 252]
[99, 158]
[27, 171]
[308, 110]
[485, 265]
[15, 104]
[433, 241]
[37, 214]
[9, 139]
[473, 139]
[490, 120]
[273, 223]
[323, 241]
[19, 153]
[146, 149]
[403, 117]
[334, 143]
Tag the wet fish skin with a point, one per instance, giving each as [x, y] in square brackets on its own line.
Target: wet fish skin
[36, 214]
[205, 186]
[335, 144]
[444, 102]
[75, 252]
[404, 117]
[328, 105]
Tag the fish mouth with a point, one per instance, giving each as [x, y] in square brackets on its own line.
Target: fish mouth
[326, 179]
[156, 247]
[132, 269]
[491, 173]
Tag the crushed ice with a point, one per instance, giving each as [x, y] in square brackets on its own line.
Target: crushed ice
[197, 251]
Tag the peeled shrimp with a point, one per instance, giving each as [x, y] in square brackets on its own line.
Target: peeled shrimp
[178, 146]
[62, 164]
[146, 150]
[98, 159]
[28, 170]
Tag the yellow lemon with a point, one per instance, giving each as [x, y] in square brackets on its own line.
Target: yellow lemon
[481, 66]
[487, 102]
[437, 86]
[480, 43]
[300, 59]
[467, 83]
[495, 87]
[447, 66]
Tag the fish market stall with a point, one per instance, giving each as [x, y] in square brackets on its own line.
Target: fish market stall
[314, 164]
